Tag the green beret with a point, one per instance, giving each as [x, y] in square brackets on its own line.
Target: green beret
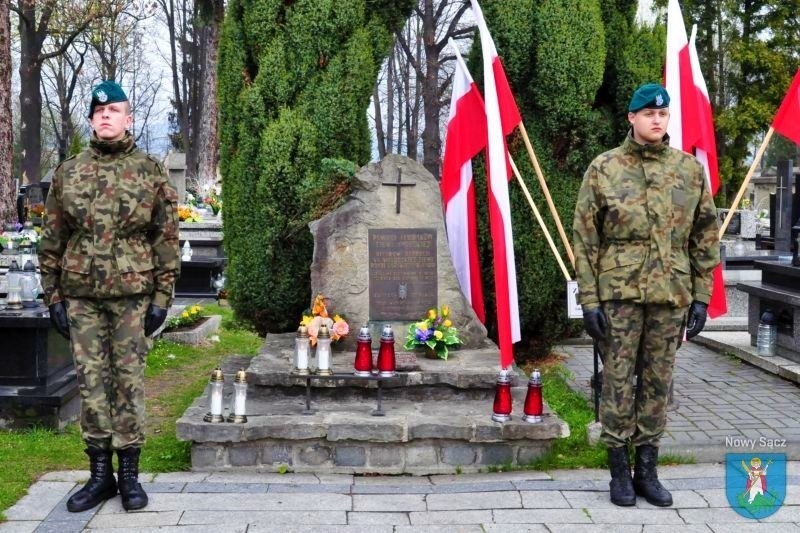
[649, 95]
[106, 92]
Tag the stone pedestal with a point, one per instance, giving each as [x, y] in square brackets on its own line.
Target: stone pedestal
[438, 419]
[38, 385]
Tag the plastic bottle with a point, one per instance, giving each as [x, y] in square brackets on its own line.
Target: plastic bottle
[767, 334]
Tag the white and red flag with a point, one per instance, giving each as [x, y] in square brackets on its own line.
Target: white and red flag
[691, 125]
[787, 119]
[502, 116]
[466, 137]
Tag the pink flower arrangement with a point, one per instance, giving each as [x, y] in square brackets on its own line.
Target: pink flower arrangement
[318, 315]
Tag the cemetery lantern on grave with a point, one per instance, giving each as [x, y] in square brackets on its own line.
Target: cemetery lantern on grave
[362, 366]
[386, 357]
[14, 296]
[533, 400]
[301, 349]
[502, 397]
[324, 351]
[29, 285]
[215, 386]
[238, 407]
[11, 236]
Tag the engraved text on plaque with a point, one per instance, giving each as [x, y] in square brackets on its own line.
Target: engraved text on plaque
[402, 273]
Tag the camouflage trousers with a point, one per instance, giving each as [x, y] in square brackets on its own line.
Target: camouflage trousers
[653, 333]
[109, 348]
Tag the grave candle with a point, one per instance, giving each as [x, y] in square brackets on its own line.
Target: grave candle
[239, 398]
[215, 386]
[301, 351]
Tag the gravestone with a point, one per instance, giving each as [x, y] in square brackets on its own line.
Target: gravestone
[383, 257]
[175, 165]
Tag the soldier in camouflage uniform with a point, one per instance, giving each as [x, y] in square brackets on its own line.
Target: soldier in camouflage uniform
[109, 258]
[646, 243]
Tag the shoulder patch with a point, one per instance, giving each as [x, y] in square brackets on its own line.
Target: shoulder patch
[155, 161]
[70, 158]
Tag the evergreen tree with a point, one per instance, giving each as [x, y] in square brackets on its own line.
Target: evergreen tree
[573, 86]
[295, 78]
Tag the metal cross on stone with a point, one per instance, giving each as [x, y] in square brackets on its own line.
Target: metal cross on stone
[399, 185]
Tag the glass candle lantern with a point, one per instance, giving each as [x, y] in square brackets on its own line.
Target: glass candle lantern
[386, 356]
[324, 351]
[29, 285]
[502, 397]
[239, 400]
[215, 386]
[533, 400]
[301, 349]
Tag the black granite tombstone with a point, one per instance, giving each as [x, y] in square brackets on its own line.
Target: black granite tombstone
[38, 384]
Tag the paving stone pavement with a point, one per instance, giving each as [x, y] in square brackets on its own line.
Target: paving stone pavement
[569, 501]
[724, 405]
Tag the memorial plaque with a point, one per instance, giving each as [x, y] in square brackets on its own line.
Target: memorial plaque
[402, 273]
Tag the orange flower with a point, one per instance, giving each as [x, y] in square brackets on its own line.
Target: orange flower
[319, 308]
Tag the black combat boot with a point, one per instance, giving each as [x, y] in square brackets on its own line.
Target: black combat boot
[101, 485]
[645, 477]
[621, 484]
[131, 491]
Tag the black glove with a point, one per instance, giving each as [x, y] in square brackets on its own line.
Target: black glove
[58, 317]
[153, 319]
[595, 323]
[697, 319]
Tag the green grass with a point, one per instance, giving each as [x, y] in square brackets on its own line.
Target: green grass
[573, 408]
[27, 454]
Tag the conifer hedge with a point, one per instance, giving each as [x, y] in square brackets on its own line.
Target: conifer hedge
[572, 65]
[295, 78]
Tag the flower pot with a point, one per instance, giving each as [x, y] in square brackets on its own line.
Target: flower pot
[430, 353]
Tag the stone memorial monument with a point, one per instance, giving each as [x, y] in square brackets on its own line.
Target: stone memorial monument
[383, 257]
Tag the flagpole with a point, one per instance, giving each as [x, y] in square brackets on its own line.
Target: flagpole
[753, 165]
[539, 219]
[546, 191]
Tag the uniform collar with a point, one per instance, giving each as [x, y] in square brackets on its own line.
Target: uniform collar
[645, 150]
[121, 146]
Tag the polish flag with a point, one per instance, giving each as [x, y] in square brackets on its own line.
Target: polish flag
[466, 137]
[787, 119]
[691, 125]
[502, 116]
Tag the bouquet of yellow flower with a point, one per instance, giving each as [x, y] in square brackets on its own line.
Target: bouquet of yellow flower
[187, 213]
[435, 332]
[319, 315]
[188, 317]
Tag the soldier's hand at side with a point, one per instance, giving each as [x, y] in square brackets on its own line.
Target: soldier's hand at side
[153, 319]
[595, 323]
[58, 317]
[697, 319]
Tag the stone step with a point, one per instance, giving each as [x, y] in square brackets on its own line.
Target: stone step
[464, 369]
[444, 436]
[437, 419]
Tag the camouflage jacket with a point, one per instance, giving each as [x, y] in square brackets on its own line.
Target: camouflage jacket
[110, 226]
[645, 228]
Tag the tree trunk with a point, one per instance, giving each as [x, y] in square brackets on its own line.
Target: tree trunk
[380, 138]
[8, 188]
[390, 105]
[30, 96]
[431, 142]
[207, 136]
